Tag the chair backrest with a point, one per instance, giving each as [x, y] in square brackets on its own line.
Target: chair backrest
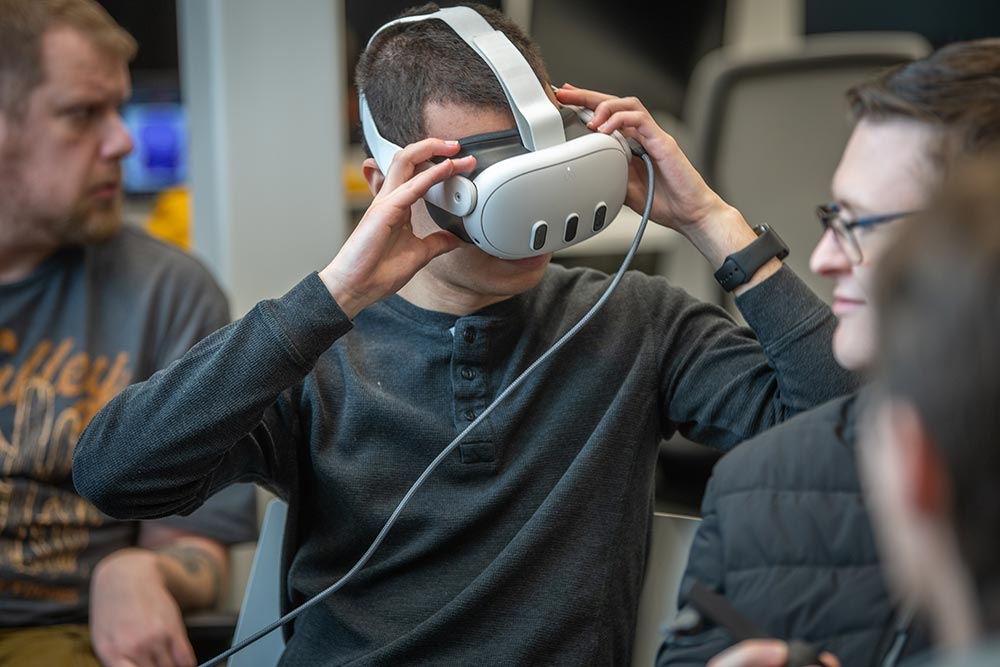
[262, 600]
[769, 128]
[670, 542]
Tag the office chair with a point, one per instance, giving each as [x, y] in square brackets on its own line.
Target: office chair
[768, 128]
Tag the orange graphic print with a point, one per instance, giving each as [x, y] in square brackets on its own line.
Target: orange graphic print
[44, 525]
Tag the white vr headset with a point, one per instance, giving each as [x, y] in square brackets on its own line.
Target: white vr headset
[549, 184]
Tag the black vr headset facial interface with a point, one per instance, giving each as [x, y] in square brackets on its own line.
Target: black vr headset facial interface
[548, 184]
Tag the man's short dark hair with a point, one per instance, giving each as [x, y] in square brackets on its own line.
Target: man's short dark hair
[956, 88]
[411, 65]
[22, 24]
[938, 305]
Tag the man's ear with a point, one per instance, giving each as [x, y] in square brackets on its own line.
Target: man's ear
[373, 175]
[927, 486]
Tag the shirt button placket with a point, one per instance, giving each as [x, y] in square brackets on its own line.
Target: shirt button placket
[469, 397]
[470, 375]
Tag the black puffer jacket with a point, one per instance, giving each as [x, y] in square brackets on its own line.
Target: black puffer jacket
[786, 538]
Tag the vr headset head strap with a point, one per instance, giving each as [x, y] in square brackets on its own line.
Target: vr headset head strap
[538, 120]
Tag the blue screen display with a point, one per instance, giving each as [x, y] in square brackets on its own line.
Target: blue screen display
[160, 158]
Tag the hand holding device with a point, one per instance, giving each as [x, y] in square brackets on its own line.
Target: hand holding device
[682, 196]
[382, 253]
[770, 653]
[755, 648]
[683, 201]
[548, 184]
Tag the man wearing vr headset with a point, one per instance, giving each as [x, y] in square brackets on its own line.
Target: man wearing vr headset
[526, 546]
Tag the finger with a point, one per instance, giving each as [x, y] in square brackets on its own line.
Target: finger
[581, 97]
[154, 653]
[182, 652]
[122, 662]
[162, 657]
[408, 193]
[637, 124]
[829, 659]
[616, 105]
[753, 653]
[405, 161]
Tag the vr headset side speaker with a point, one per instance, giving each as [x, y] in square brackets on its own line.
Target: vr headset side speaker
[547, 185]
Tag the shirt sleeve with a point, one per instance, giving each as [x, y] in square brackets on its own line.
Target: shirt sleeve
[723, 384]
[229, 517]
[225, 412]
[193, 307]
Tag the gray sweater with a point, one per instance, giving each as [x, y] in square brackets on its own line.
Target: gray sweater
[527, 546]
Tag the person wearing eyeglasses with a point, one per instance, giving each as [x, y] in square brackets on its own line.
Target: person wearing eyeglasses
[786, 536]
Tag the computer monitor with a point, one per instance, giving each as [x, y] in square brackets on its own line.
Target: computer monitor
[160, 158]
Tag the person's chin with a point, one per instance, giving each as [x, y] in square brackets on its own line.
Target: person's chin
[531, 263]
[97, 225]
[849, 347]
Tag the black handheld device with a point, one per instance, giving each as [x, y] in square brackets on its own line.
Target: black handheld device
[711, 606]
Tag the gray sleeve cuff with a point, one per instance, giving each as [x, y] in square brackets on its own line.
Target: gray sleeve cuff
[306, 319]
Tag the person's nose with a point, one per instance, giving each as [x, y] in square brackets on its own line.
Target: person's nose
[117, 142]
[828, 257]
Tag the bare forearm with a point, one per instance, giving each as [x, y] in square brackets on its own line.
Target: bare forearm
[192, 575]
[195, 574]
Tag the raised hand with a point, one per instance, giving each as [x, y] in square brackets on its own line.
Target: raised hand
[682, 197]
[383, 253]
[682, 200]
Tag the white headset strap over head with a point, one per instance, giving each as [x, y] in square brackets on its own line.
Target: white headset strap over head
[538, 120]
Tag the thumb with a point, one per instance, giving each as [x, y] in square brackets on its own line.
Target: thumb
[122, 662]
[182, 652]
[753, 653]
[829, 660]
[438, 243]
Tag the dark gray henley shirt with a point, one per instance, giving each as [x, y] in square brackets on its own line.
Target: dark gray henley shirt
[527, 546]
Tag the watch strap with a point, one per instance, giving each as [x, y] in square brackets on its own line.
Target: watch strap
[740, 266]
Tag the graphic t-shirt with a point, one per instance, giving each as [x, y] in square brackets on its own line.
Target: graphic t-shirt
[86, 323]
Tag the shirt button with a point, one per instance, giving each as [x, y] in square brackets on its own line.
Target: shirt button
[470, 415]
[468, 373]
[470, 335]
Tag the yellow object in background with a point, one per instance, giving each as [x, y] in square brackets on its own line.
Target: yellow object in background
[170, 220]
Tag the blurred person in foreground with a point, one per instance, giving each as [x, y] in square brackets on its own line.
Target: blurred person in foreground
[87, 306]
[928, 453]
[931, 461]
[786, 535]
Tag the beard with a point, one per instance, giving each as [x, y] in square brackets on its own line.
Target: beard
[89, 224]
[28, 221]
[83, 225]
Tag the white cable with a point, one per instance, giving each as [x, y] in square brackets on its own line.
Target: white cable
[337, 585]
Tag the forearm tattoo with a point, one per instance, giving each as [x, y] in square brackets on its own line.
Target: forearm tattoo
[196, 561]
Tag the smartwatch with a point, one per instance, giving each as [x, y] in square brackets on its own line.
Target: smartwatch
[740, 266]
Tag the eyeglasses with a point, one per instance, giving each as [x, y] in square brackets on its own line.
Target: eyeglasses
[830, 216]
